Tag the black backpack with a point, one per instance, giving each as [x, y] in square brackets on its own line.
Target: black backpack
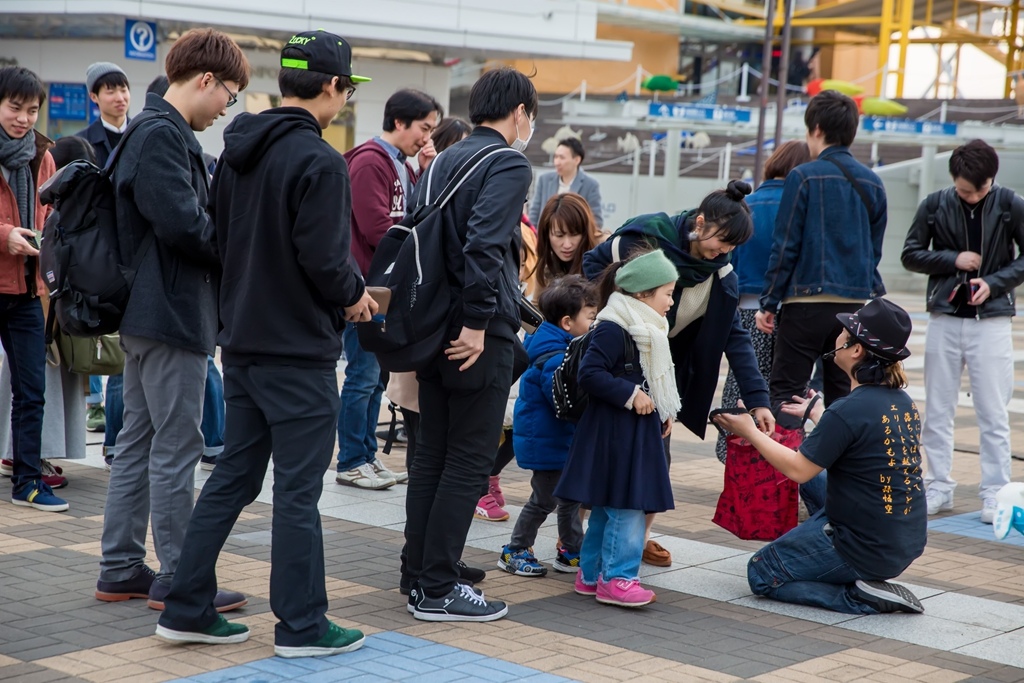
[80, 258]
[410, 261]
[570, 400]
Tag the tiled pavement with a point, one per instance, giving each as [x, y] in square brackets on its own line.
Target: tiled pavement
[705, 626]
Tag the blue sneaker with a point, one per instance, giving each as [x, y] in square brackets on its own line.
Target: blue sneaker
[566, 562]
[520, 562]
[38, 495]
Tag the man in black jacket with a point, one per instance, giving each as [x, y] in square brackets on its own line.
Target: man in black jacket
[170, 324]
[281, 205]
[464, 390]
[969, 240]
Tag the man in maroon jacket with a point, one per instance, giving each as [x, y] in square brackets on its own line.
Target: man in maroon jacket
[382, 183]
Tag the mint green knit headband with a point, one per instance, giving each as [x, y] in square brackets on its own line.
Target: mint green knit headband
[650, 271]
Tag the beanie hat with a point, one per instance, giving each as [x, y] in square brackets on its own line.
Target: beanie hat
[98, 70]
[645, 272]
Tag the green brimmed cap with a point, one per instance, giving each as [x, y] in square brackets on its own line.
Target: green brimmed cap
[649, 271]
[325, 53]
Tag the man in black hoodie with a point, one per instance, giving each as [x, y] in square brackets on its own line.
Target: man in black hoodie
[281, 204]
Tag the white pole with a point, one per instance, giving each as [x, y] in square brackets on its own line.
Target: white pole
[652, 156]
[727, 163]
[583, 91]
[744, 76]
[639, 80]
[943, 111]
[634, 196]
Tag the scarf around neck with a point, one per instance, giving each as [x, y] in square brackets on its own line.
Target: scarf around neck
[650, 333]
[15, 156]
[671, 235]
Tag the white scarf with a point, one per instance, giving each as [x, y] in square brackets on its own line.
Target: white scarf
[650, 332]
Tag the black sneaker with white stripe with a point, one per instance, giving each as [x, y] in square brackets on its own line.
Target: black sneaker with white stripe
[887, 597]
[461, 604]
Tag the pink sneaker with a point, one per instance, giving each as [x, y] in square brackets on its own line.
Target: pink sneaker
[584, 588]
[494, 488]
[624, 593]
[488, 510]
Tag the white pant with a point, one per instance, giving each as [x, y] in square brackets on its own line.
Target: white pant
[986, 348]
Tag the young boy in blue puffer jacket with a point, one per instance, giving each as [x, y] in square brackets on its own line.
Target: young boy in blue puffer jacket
[541, 441]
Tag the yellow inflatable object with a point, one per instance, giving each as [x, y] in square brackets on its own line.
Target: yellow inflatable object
[844, 87]
[877, 106]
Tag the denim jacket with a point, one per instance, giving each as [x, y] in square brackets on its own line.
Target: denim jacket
[750, 259]
[826, 241]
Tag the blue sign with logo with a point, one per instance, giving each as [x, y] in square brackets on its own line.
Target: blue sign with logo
[68, 101]
[878, 124]
[140, 40]
[699, 112]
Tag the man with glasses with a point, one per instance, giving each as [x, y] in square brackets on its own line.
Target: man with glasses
[170, 324]
[281, 204]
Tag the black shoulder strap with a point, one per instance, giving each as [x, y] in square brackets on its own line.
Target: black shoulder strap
[108, 170]
[932, 206]
[544, 358]
[464, 172]
[629, 350]
[857, 186]
[1006, 197]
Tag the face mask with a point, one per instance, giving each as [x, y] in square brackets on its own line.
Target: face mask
[519, 144]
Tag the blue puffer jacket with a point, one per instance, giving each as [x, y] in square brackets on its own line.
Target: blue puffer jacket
[540, 439]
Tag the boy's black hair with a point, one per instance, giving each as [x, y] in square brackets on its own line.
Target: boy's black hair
[21, 85]
[566, 297]
[115, 79]
[835, 114]
[303, 84]
[728, 212]
[498, 93]
[158, 85]
[409, 105]
[72, 148]
[575, 146]
[975, 162]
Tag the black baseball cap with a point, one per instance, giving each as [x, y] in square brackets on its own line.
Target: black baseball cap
[325, 53]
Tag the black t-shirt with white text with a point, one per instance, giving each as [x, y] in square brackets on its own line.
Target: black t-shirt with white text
[869, 443]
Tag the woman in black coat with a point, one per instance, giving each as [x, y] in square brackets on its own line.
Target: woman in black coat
[704, 321]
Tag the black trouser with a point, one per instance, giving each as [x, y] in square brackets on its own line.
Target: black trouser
[506, 454]
[411, 419]
[541, 504]
[805, 332]
[21, 331]
[460, 423]
[291, 413]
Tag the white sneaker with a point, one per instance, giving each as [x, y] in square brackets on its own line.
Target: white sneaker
[365, 477]
[382, 471]
[988, 510]
[938, 501]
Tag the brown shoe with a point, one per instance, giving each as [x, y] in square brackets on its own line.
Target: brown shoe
[656, 556]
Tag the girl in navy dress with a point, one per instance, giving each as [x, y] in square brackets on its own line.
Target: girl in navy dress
[617, 463]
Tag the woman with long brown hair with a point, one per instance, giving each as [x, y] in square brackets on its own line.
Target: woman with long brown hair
[565, 232]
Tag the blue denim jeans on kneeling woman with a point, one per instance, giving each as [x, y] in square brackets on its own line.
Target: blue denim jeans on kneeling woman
[613, 545]
[803, 567]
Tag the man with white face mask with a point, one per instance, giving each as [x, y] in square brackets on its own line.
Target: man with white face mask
[464, 390]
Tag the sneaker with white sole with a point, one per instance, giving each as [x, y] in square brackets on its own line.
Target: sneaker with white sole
[887, 597]
[520, 562]
[989, 506]
[222, 632]
[461, 604]
[336, 641]
[382, 471]
[938, 501]
[488, 510]
[364, 477]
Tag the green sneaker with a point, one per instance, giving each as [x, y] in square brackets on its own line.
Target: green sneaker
[221, 633]
[336, 641]
[95, 419]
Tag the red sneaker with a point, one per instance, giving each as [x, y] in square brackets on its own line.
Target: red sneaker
[494, 488]
[51, 473]
[6, 467]
[624, 593]
[488, 510]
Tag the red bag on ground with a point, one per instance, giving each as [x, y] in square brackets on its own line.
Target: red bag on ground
[758, 502]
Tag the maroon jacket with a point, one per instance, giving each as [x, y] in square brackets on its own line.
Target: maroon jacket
[378, 198]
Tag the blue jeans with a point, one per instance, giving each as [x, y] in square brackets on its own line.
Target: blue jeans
[213, 411]
[360, 404]
[802, 567]
[21, 332]
[813, 492]
[95, 396]
[613, 545]
[114, 411]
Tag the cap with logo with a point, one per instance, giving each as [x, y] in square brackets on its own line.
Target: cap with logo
[324, 52]
[1009, 510]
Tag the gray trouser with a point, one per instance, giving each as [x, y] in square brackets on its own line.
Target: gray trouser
[541, 504]
[157, 452]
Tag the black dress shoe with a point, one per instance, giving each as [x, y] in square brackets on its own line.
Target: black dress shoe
[224, 601]
[136, 586]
